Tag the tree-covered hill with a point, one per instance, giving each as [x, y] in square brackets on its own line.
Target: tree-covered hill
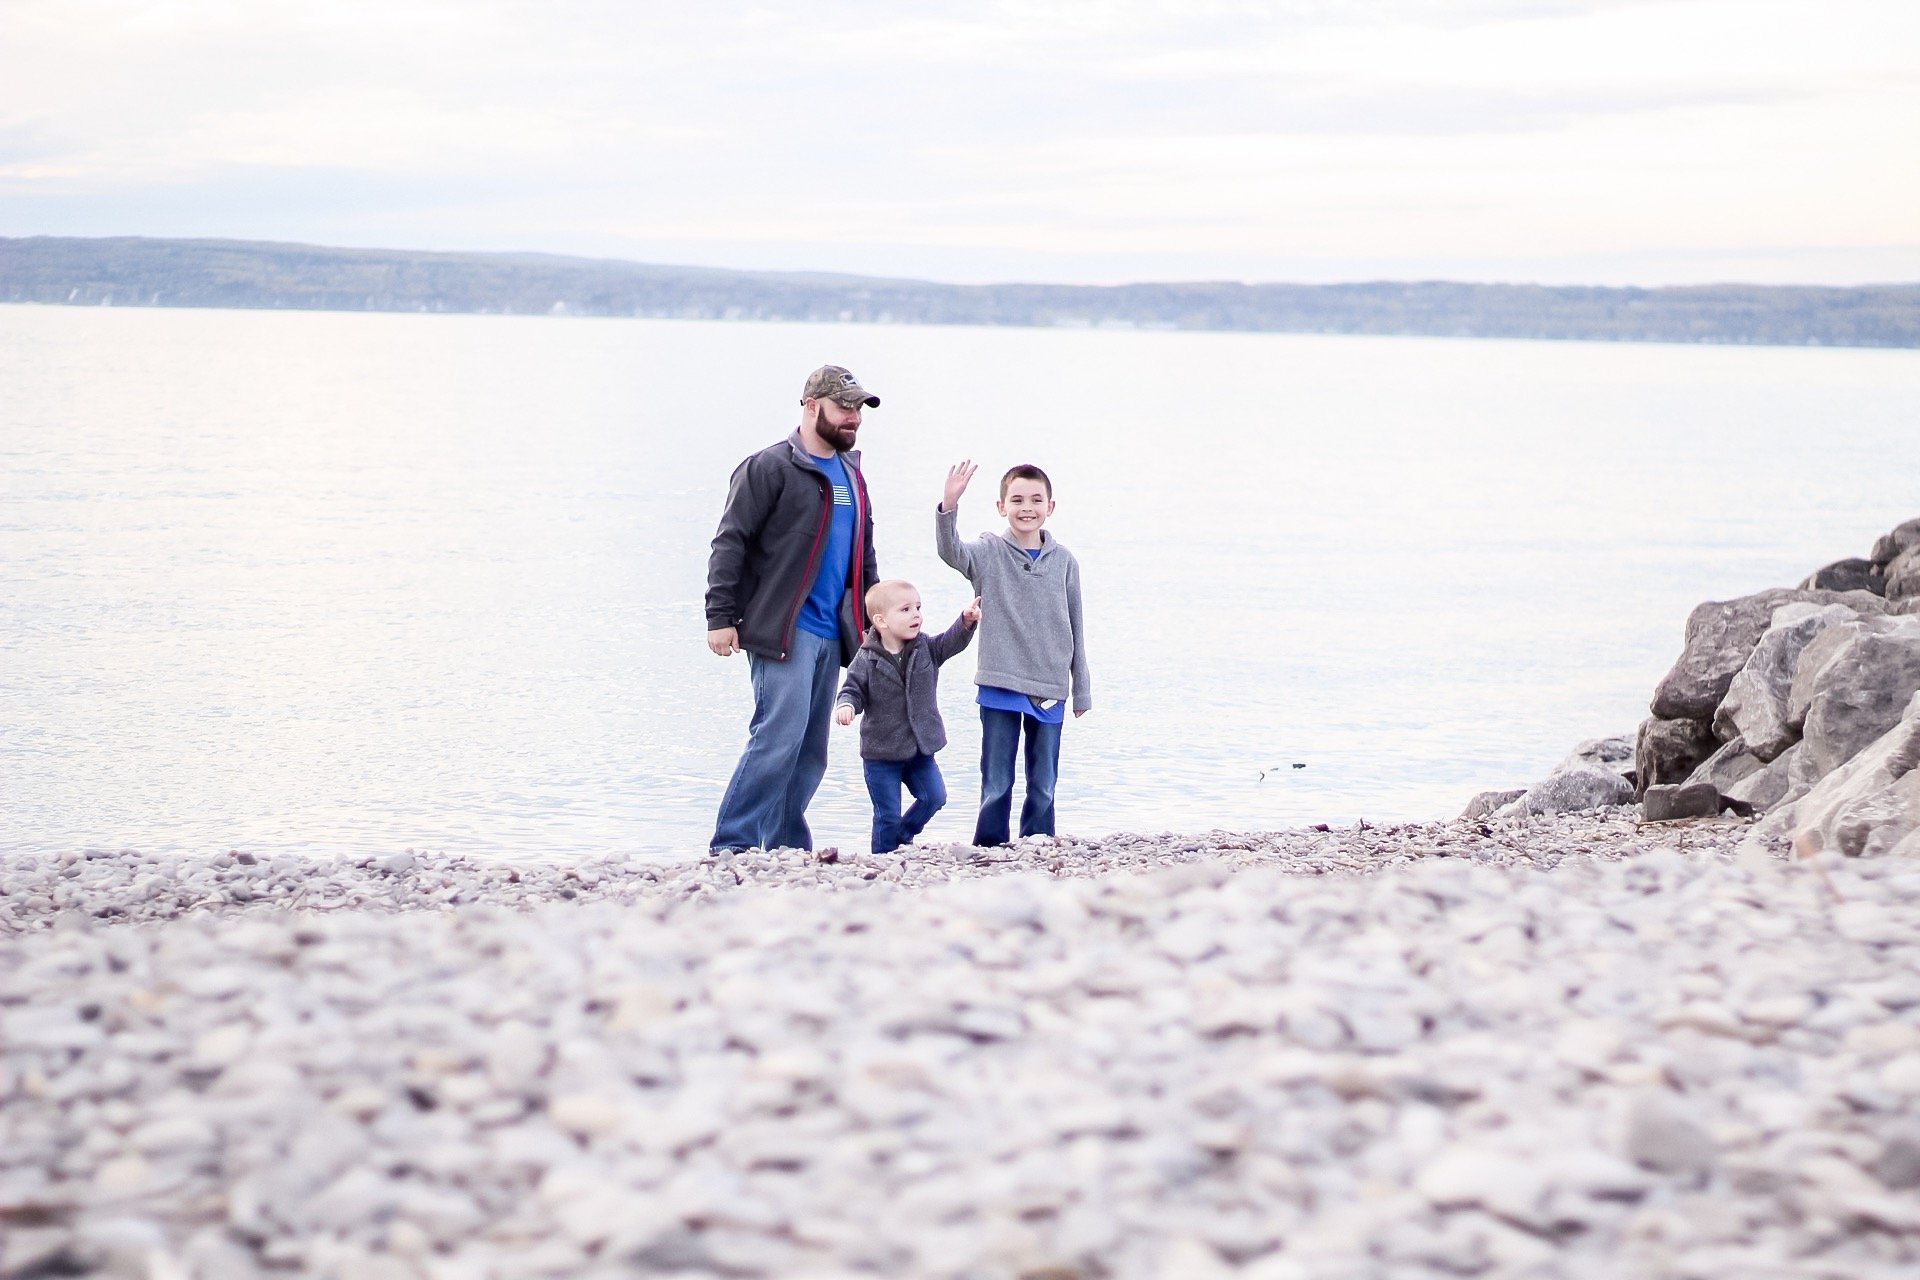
[133, 271]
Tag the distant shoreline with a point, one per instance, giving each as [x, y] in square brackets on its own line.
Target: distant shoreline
[252, 275]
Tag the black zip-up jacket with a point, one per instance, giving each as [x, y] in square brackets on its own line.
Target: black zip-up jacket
[899, 700]
[768, 548]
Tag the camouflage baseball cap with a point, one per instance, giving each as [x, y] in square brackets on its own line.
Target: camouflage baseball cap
[831, 382]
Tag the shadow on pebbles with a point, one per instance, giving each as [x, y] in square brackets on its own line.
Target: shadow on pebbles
[1568, 1046]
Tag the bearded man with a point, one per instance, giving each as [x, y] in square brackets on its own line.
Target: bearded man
[786, 585]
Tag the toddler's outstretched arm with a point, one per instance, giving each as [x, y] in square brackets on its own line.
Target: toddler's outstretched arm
[956, 637]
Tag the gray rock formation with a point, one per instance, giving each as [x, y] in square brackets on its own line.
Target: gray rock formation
[1615, 754]
[1755, 708]
[1721, 635]
[1868, 806]
[1669, 751]
[1903, 537]
[1903, 575]
[1771, 784]
[1730, 764]
[1572, 789]
[1858, 694]
[1848, 575]
[1832, 661]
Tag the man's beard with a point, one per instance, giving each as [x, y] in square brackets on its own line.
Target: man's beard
[841, 438]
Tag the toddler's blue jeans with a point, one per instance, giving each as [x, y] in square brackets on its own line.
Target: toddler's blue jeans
[921, 777]
[1000, 733]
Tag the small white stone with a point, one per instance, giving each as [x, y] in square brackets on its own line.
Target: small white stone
[1662, 1134]
[1495, 1181]
[516, 1055]
[174, 1134]
[1902, 1075]
[123, 1176]
[222, 1046]
[587, 1115]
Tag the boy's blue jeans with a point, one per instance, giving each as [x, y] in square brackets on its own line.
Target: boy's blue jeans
[921, 777]
[765, 806]
[999, 741]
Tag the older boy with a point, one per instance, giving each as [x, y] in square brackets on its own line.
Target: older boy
[1032, 648]
[894, 680]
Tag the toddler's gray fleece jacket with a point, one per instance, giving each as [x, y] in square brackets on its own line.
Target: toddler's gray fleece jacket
[899, 702]
[1031, 640]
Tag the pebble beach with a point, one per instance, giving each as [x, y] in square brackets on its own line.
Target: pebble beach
[1573, 1045]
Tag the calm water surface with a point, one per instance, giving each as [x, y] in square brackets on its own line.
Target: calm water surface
[364, 582]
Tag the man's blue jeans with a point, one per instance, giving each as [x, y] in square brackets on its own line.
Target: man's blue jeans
[921, 777]
[765, 806]
[1000, 733]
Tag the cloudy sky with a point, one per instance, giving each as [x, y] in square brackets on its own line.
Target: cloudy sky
[1605, 141]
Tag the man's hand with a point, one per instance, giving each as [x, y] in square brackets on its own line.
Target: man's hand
[1081, 711]
[843, 714]
[959, 475]
[724, 641]
[972, 612]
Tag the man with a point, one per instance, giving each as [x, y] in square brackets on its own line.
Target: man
[786, 584]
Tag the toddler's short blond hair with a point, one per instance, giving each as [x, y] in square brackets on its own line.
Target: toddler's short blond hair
[881, 595]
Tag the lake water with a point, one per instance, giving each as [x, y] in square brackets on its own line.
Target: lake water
[292, 581]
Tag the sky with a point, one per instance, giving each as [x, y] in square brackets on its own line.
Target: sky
[1088, 141]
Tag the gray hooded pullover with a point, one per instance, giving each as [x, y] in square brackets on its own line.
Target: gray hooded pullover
[1031, 640]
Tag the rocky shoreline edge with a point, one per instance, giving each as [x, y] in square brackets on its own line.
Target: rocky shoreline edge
[1564, 1045]
[1798, 703]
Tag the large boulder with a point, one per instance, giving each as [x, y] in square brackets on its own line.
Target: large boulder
[1669, 751]
[1828, 645]
[1868, 806]
[1572, 789]
[1770, 785]
[1848, 575]
[1813, 660]
[1904, 537]
[1721, 635]
[1755, 708]
[1616, 755]
[1858, 694]
[1903, 576]
[1731, 763]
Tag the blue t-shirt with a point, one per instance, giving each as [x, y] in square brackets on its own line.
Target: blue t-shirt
[1047, 711]
[820, 611]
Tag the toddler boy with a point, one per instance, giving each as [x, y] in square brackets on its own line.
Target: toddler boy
[1032, 649]
[894, 680]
